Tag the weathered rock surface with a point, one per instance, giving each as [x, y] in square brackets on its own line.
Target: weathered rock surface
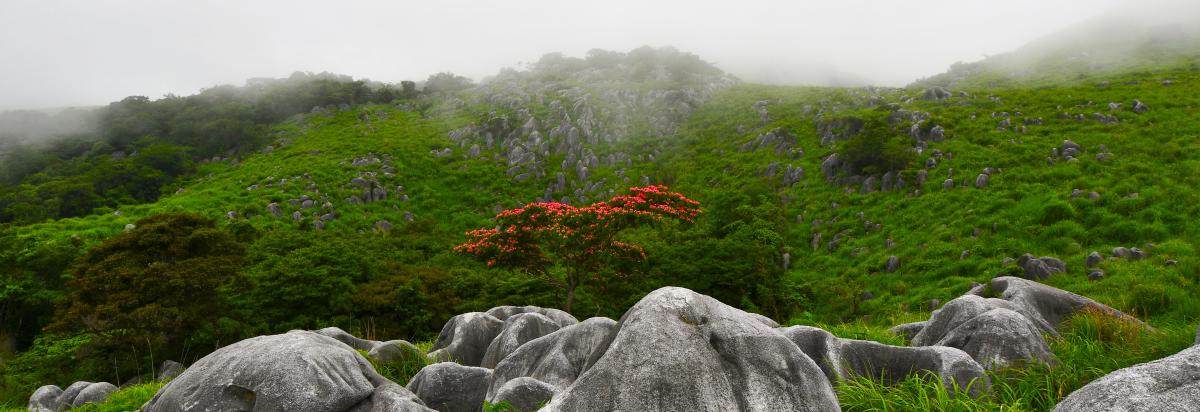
[1168, 384]
[394, 350]
[518, 329]
[44, 399]
[450, 387]
[345, 337]
[563, 319]
[295, 371]
[1007, 330]
[847, 358]
[908, 330]
[391, 397]
[559, 358]
[524, 394]
[676, 349]
[94, 393]
[66, 399]
[169, 369]
[466, 337]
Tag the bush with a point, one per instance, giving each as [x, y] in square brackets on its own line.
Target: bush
[877, 149]
[149, 290]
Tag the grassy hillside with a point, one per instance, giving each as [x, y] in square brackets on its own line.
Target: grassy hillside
[404, 282]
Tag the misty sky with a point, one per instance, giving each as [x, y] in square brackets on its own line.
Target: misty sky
[61, 53]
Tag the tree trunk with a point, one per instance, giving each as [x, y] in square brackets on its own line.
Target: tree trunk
[570, 297]
[571, 283]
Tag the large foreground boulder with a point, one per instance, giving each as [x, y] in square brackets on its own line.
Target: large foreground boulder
[466, 337]
[993, 331]
[295, 371]
[556, 359]
[1001, 324]
[450, 387]
[1168, 384]
[848, 358]
[679, 350]
[518, 330]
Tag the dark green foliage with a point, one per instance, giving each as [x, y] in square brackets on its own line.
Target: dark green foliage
[877, 149]
[154, 289]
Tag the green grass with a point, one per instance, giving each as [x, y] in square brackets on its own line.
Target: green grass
[401, 371]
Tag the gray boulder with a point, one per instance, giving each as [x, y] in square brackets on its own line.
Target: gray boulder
[681, 350]
[169, 369]
[518, 330]
[390, 397]
[94, 393]
[981, 181]
[558, 358]
[394, 350]
[563, 319]
[524, 394]
[44, 399]
[1040, 268]
[1168, 384]
[992, 331]
[450, 387]
[66, 399]
[466, 337]
[999, 338]
[295, 371]
[893, 264]
[848, 358]
[1051, 305]
[908, 330]
[1093, 259]
[771, 323]
[1140, 107]
[935, 93]
[347, 338]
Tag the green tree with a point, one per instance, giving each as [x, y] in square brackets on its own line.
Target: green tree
[565, 245]
[153, 287]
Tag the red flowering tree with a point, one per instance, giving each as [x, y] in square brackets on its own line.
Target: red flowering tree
[566, 245]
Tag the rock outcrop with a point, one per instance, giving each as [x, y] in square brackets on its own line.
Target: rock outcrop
[295, 371]
[1006, 330]
[518, 330]
[525, 394]
[466, 337]
[1168, 384]
[556, 359]
[450, 387]
[847, 358]
[681, 350]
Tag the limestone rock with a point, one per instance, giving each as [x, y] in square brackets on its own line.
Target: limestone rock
[524, 394]
[848, 358]
[393, 351]
[466, 337]
[518, 329]
[563, 319]
[347, 338]
[558, 358]
[44, 399]
[1168, 384]
[450, 387]
[295, 371]
[679, 348]
[94, 393]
